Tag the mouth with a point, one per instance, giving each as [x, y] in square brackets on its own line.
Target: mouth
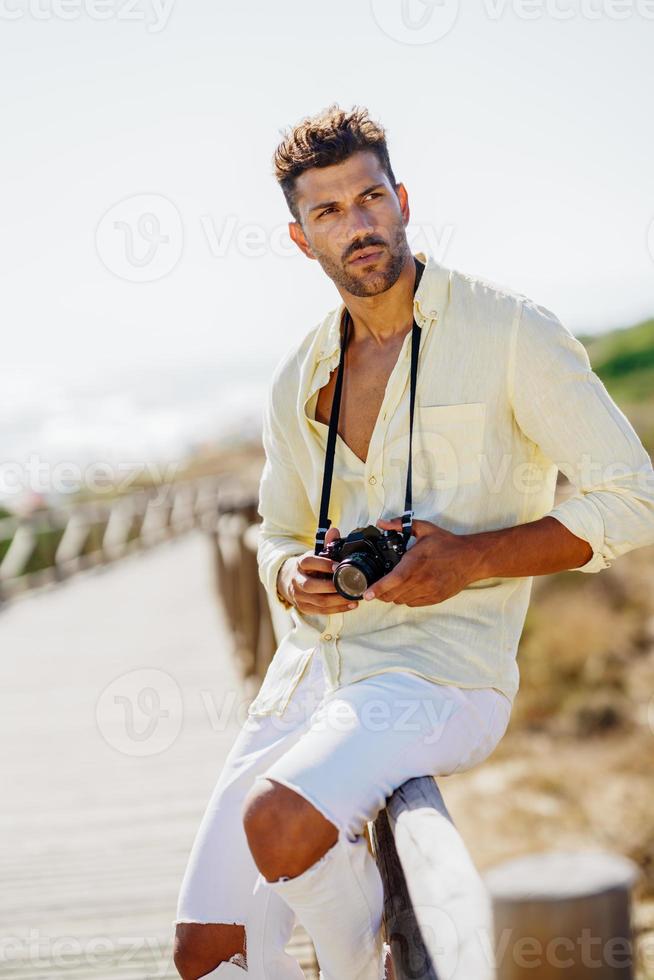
[366, 256]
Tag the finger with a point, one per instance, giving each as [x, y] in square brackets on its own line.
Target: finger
[387, 584]
[327, 604]
[313, 563]
[315, 585]
[332, 534]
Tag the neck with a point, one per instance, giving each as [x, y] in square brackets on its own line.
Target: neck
[387, 315]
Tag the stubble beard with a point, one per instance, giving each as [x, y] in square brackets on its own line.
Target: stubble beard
[379, 280]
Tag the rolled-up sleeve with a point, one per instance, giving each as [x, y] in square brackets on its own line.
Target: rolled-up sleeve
[283, 503]
[562, 406]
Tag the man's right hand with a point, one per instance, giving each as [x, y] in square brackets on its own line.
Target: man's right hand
[306, 582]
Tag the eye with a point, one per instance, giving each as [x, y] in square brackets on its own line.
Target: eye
[373, 194]
[326, 211]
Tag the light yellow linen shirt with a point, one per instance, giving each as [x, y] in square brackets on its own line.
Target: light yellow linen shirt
[505, 398]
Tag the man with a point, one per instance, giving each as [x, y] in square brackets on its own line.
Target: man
[505, 396]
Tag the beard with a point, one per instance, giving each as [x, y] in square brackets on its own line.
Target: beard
[373, 282]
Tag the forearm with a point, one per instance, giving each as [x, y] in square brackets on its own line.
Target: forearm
[536, 548]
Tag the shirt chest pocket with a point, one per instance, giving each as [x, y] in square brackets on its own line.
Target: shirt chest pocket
[447, 445]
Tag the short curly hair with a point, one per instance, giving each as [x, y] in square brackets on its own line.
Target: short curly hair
[326, 138]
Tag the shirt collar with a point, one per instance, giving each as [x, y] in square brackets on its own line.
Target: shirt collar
[429, 303]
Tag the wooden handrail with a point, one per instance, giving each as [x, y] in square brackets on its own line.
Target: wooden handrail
[53, 544]
[438, 915]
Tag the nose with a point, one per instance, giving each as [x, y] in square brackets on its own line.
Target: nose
[359, 224]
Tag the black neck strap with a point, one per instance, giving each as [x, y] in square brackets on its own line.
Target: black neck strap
[407, 517]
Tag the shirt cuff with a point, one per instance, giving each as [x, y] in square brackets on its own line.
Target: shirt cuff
[582, 519]
[269, 577]
[285, 603]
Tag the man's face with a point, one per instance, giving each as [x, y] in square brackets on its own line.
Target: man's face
[353, 222]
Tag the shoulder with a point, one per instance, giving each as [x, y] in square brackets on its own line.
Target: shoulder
[530, 322]
[482, 289]
[541, 334]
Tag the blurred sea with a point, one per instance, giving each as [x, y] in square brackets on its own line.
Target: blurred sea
[119, 421]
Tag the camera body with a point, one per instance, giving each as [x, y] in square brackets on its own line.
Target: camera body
[364, 556]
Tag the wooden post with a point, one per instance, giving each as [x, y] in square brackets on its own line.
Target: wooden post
[266, 640]
[437, 909]
[563, 914]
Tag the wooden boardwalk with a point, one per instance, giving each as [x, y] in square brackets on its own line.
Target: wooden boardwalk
[104, 787]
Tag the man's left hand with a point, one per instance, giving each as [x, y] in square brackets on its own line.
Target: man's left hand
[436, 567]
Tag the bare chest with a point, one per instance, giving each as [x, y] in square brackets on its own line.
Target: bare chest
[365, 381]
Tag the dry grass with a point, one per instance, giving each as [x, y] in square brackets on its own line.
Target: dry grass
[575, 766]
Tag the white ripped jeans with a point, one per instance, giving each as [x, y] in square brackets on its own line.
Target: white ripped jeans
[344, 751]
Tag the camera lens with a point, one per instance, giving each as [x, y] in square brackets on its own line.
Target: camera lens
[353, 576]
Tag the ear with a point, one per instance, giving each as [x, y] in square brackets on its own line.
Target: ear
[403, 198]
[298, 236]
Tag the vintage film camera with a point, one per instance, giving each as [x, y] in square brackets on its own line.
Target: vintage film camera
[364, 556]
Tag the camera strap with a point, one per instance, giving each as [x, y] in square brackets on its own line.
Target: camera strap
[324, 521]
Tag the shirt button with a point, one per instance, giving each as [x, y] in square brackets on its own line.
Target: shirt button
[372, 480]
[327, 636]
[433, 313]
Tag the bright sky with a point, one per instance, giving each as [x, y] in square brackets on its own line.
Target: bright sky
[523, 135]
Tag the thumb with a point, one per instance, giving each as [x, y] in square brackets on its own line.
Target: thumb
[332, 534]
[418, 528]
[395, 522]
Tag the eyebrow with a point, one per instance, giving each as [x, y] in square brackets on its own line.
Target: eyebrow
[330, 204]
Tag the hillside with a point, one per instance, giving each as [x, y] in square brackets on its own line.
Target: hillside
[624, 360]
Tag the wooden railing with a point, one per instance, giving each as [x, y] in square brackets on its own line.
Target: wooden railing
[51, 545]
